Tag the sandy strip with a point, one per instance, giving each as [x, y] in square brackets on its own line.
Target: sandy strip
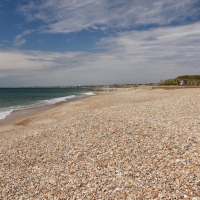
[123, 145]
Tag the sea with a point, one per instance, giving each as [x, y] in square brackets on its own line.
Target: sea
[12, 99]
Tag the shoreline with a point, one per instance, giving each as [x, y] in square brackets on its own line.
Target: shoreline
[127, 144]
[21, 114]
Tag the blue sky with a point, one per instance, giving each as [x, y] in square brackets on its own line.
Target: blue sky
[79, 42]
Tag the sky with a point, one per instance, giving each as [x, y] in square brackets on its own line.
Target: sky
[90, 42]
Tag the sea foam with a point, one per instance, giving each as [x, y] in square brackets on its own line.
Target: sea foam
[89, 93]
[55, 100]
[4, 113]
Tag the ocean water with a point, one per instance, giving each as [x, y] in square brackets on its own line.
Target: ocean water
[21, 98]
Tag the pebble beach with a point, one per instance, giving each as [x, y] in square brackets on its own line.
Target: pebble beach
[137, 144]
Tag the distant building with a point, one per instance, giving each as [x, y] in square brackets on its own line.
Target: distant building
[182, 82]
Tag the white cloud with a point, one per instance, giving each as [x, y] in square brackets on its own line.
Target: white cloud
[64, 16]
[165, 51]
[129, 57]
[19, 40]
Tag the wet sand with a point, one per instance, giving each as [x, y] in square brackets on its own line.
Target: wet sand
[140, 144]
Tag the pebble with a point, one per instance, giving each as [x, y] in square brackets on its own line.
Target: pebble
[139, 144]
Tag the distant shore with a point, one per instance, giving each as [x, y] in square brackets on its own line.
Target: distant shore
[123, 144]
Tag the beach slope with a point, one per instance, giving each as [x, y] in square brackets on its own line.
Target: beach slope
[142, 144]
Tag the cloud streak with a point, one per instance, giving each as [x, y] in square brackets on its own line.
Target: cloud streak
[19, 40]
[129, 57]
[65, 16]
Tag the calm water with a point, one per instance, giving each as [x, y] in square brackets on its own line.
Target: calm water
[20, 98]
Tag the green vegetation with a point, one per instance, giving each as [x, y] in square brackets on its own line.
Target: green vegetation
[121, 86]
[189, 77]
[190, 80]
